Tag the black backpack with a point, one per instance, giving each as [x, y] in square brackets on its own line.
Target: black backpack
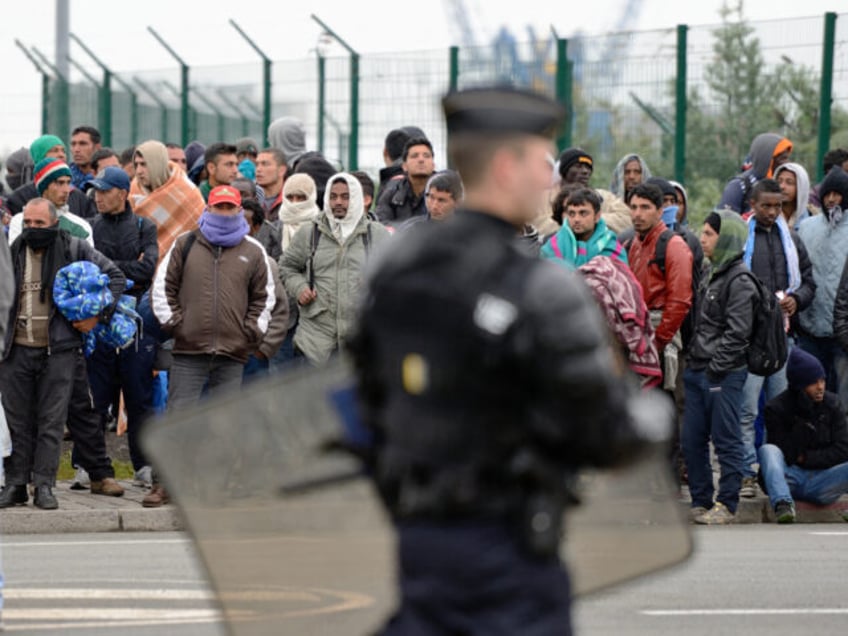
[768, 351]
[687, 327]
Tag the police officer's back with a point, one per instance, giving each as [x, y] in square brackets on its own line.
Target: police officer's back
[488, 378]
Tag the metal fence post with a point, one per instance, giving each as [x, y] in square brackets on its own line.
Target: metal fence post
[266, 81]
[162, 106]
[59, 102]
[454, 69]
[322, 97]
[826, 93]
[45, 87]
[133, 108]
[564, 93]
[184, 102]
[105, 123]
[245, 121]
[680, 105]
[353, 137]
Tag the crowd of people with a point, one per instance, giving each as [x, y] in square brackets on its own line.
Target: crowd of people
[242, 261]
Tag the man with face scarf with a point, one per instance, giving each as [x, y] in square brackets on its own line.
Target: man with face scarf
[323, 268]
[214, 292]
[717, 370]
[37, 372]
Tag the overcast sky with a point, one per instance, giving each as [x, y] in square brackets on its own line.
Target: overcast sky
[199, 31]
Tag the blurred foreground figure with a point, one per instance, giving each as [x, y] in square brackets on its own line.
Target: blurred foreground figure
[488, 379]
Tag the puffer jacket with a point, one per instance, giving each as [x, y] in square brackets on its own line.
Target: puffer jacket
[61, 333]
[671, 293]
[130, 241]
[725, 321]
[339, 276]
[219, 301]
[828, 249]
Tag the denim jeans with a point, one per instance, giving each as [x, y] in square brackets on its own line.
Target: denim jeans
[787, 483]
[773, 386]
[833, 359]
[712, 413]
[255, 369]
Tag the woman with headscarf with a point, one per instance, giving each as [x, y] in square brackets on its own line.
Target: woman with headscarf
[717, 370]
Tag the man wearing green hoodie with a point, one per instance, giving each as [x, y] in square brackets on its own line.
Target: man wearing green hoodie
[717, 371]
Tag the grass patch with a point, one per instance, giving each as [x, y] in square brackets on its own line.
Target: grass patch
[123, 470]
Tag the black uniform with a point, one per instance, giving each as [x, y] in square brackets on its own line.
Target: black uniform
[487, 377]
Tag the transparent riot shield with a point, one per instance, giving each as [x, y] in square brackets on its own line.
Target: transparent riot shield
[294, 539]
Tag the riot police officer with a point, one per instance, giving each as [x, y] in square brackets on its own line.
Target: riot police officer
[487, 379]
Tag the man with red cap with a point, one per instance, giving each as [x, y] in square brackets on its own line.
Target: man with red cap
[214, 293]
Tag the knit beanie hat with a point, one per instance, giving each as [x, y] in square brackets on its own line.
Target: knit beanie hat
[39, 148]
[570, 156]
[47, 171]
[714, 221]
[803, 369]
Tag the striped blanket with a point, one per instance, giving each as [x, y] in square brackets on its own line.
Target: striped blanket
[175, 207]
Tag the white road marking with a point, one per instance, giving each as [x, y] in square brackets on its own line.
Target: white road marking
[41, 544]
[748, 611]
[829, 534]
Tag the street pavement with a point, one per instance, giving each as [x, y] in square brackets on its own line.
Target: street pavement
[744, 579]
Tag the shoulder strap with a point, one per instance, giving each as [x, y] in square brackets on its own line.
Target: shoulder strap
[186, 247]
[366, 238]
[661, 249]
[316, 236]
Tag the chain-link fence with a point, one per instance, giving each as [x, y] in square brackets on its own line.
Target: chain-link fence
[625, 94]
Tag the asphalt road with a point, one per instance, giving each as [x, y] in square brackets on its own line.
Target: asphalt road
[744, 579]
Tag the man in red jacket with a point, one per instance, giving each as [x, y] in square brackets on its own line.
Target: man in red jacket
[667, 290]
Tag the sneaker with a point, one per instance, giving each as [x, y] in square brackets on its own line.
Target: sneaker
[81, 480]
[157, 497]
[784, 512]
[143, 477]
[717, 515]
[107, 486]
[749, 487]
[696, 512]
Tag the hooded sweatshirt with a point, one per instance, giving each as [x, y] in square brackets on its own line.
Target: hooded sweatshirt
[802, 193]
[825, 236]
[19, 167]
[617, 185]
[155, 155]
[684, 222]
[726, 308]
[289, 135]
[757, 166]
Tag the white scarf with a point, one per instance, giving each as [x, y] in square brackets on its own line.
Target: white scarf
[294, 214]
[343, 228]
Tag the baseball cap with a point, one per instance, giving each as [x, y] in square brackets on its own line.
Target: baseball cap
[111, 177]
[224, 194]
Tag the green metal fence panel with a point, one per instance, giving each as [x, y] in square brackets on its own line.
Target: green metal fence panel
[741, 79]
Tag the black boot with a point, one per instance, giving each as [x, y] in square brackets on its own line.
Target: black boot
[13, 496]
[44, 498]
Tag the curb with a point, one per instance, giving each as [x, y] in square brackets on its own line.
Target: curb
[80, 511]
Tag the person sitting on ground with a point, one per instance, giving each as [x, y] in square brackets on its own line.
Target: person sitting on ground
[806, 457]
